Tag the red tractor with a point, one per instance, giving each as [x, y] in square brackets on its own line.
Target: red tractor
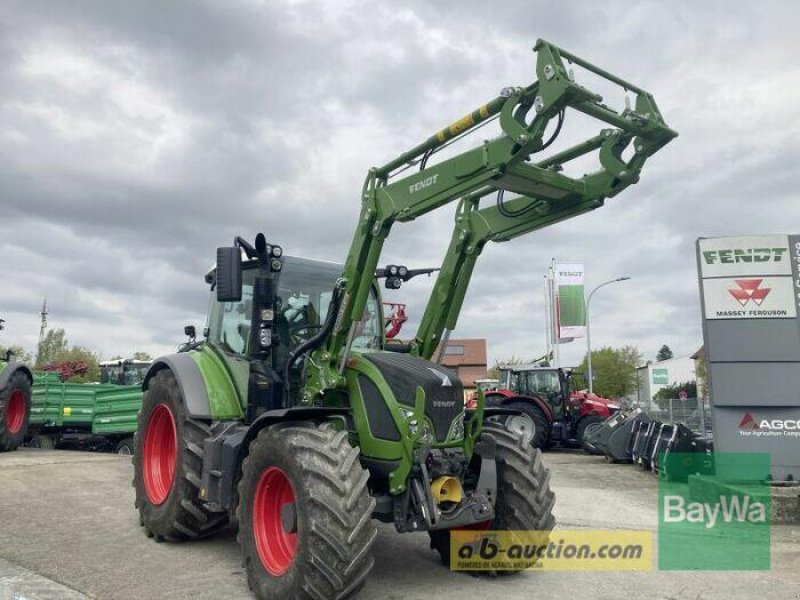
[559, 415]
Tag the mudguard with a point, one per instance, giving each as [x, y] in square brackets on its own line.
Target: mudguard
[190, 381]
[504, 400]
[12, 368]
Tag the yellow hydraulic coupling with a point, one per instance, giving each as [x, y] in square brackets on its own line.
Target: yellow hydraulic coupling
[447, 489]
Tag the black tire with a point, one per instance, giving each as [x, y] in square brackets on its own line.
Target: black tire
[16, 390]
[524, 498]
[583, 424]
[43, 442]
[334, 527]
[125, 447]
[181, 516]
[542, 427]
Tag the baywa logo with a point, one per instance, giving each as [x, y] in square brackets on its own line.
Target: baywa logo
[729, 508]
[750, 426]
[749, 289]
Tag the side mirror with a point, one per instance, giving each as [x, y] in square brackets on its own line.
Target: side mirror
[190, 332]
[229, 275]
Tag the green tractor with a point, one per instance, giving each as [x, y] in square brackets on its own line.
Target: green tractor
[292, 417]
[16, 380]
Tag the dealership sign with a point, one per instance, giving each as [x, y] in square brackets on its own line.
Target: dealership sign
[750, 291]
[750, 277]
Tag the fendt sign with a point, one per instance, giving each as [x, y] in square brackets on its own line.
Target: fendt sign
[750, 290]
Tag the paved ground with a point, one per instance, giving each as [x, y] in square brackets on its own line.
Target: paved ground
[67, 519]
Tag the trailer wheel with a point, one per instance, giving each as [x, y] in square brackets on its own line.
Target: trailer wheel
[125, 447]
[305, 514]
[524, 498]
[168, 462]
[43, 442]
[587, 424]
[15, 411]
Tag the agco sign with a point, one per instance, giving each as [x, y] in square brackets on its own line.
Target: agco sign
[750, 426]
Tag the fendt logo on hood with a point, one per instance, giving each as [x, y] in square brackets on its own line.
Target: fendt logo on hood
[445, 379]
[749, 289]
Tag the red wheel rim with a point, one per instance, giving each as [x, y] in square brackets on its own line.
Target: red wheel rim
[15, 412]
[159, 454]
[276, 547]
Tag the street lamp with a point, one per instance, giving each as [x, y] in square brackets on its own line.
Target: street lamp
[589, 329]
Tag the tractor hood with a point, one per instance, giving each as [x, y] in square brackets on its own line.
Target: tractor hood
[594, 399]
[444, 392]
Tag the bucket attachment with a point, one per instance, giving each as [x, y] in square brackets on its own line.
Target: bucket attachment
[613, 437]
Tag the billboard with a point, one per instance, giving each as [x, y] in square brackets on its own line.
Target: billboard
[750, 291]
[570, 301]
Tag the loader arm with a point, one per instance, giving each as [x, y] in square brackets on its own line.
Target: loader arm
[498, 166]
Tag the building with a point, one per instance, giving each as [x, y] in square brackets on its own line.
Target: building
[655, 376]
[467, 357]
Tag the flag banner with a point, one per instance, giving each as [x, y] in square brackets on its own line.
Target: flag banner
[570, 302]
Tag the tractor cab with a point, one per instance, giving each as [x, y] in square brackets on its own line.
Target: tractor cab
[127, 371]
[550, 383]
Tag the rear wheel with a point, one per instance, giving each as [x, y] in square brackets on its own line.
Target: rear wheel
[524, 498]
[586, 425]
[540, 436]
[15, 409]
[168, 463]
[305, 515]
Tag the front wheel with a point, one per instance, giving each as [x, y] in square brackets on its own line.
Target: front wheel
[15, 411]
[524, 499]
[305, 514]
[168, 463]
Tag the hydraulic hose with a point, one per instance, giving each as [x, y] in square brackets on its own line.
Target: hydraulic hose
[314, 341]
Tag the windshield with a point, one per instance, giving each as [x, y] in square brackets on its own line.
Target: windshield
[134, 374]
[305, 288]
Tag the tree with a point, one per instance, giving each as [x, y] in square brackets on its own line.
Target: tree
[142, 356]
[54, 348]
[78, 353]
[701, 372]
[19, 353]
[673, 392]
[613, 371]
[664, 353]
[53, 344]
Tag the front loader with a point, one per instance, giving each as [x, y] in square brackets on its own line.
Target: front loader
[292, 416]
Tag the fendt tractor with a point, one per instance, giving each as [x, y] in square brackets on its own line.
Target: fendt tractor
[556, 413]
[15, 401]
[293, 419]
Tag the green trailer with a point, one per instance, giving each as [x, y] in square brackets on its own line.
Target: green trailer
[94, 416]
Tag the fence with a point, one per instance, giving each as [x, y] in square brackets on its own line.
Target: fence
[694, 413]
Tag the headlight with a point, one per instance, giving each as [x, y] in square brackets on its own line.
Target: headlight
[456, 429]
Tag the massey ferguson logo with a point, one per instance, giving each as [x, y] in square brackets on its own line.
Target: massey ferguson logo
[749, 289]
[750, 426]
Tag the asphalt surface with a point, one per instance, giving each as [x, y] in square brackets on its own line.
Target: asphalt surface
[68, 530]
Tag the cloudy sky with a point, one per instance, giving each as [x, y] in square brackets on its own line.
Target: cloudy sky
[136, 137]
